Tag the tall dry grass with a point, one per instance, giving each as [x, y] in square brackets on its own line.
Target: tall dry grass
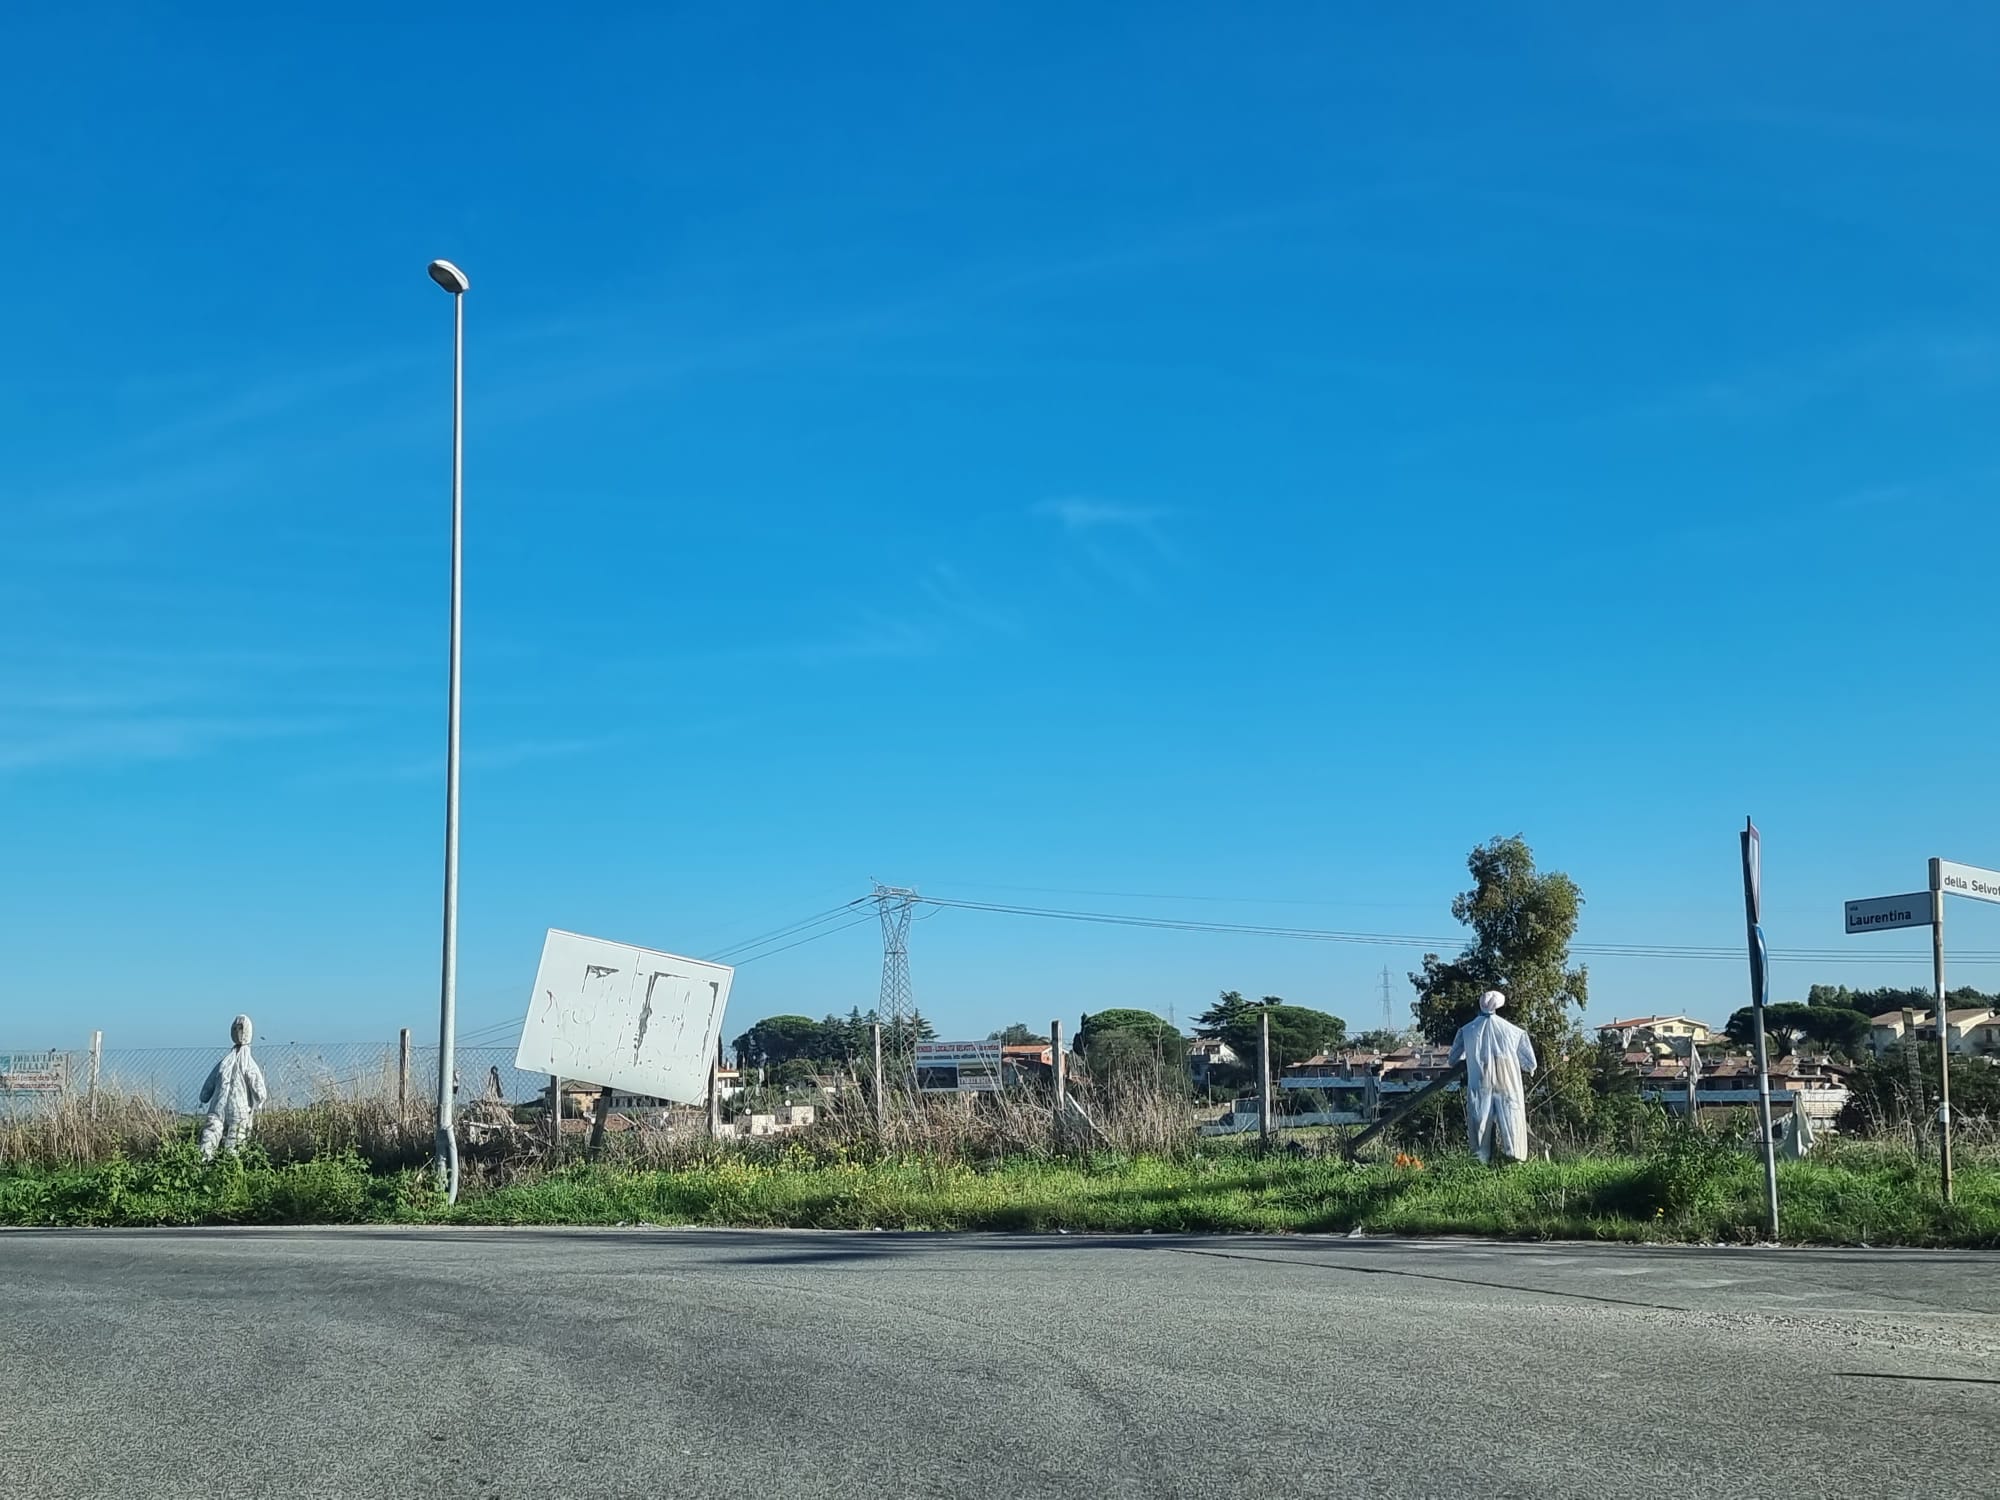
[71, 1129]
[74, 1129]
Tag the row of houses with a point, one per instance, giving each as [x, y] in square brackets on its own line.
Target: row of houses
[1357, 1087]
[1973, 1031]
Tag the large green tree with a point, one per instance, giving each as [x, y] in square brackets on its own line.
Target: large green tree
[1020, 1034]
[1831, 1026]
[1522, 921]
[1881, 1001]
[1131, 1044]
[777, 1040]
[1154, 1031]
[1297, 1031]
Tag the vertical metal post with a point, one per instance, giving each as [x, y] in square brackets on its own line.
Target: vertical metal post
[1764, 1127]
[1264, 1076]
[715, 1098]
[1913, 1071]
[1694, 1077]
[1760, 988]
[1944, 1031]
[555, 1114]
[447, 1143]
[96, 1061]
[875, 1087]
[403, 1071]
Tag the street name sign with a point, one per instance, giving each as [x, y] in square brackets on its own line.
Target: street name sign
[1968, 880]
[1881, 913]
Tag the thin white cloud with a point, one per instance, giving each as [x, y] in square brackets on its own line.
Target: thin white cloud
[128, 740]
[494, 757]
[1077, 513]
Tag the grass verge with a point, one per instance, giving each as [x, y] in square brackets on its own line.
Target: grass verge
[1663, 1196]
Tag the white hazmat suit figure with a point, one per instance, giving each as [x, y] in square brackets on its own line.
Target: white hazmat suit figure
[234, 1093]
[1496, 1055]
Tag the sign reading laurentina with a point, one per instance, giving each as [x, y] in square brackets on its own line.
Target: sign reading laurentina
[1880, 913]
[1968, 880]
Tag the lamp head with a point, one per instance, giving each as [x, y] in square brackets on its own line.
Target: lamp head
[448, 276]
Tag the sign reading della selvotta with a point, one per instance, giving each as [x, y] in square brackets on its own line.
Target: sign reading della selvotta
[1968, 880]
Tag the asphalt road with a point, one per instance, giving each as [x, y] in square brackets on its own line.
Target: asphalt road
[657, 1363]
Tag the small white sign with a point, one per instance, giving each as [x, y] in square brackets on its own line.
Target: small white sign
[1968, 880]
[1882, 913]
[632, 1019]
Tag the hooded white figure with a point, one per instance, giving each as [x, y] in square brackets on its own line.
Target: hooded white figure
[234, 1093]
[1497, 1054]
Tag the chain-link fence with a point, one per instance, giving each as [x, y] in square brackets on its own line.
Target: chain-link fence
[296, 1073]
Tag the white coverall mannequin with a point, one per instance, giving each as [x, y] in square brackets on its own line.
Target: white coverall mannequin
[1496, 1054]
[234, 1093]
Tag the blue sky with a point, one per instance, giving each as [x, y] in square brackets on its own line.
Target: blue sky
[1239, 455]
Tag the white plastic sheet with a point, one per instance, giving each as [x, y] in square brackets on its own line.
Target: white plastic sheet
[1497, 1056]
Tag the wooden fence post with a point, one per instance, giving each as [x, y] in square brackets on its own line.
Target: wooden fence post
[881, 1103]
[1061, 1070]
[96, 1061]
[598, 1121]
[403, 1071]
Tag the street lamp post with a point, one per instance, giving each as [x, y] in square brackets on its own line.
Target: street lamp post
[448, 276]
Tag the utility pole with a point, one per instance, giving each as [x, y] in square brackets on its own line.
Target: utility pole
[1264, 1077]
[1388, 1004]
[1752, 846]
[448, 276]
[1943, 1029]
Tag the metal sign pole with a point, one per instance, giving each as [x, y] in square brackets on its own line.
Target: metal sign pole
[1943, 1028]
[1760, 988]
[1264, 1078]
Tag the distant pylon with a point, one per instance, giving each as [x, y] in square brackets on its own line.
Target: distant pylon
[1388, 1005]
[895, 903]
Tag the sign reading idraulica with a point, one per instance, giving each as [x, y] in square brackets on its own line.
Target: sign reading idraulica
[1968, 880]
[1880, 913]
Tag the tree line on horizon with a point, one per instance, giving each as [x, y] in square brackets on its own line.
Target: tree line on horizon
[1521, 923]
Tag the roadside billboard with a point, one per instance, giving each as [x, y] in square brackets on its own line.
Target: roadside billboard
[958, 1067]
[33, 1072]
[630, 1018]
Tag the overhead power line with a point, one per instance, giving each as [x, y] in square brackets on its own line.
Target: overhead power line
[734, 953]
[1437, 944]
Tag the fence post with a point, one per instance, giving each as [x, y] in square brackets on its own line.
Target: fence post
[1264, 1077]
[881, 1104]
[96, 1060]
[403, 1071]
[1061, 1070]
[715, 1099]
[555, 1114]
[598, 1120]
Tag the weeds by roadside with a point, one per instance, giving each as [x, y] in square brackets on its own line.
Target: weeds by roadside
[1679, 1191]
